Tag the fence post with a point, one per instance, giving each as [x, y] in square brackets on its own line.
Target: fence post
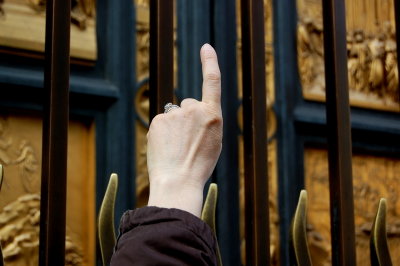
[55, 133]
[161, 55]
[339, 134]
[254, 133]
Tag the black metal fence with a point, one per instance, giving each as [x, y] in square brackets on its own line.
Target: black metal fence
[55, 125]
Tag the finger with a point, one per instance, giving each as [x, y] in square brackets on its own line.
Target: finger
[188, 101]
[211, 75]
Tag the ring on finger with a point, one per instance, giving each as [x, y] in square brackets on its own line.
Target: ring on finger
[169, 106]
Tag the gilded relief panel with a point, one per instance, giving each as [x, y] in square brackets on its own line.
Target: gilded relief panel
[374, 177]
[20, 154]
[22, 24]
[371, 50]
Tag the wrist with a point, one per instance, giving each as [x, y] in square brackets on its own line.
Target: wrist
[187, 197]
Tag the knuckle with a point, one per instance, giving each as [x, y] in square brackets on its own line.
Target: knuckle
[156, 121]
[185, 101]
[213, 119]
[188, 101]
[213, 76]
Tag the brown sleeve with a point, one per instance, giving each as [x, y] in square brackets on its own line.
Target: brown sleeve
[159, 236]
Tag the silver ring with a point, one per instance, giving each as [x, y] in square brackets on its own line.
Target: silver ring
[169, 106]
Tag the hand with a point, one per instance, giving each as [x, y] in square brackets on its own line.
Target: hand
[184, 144]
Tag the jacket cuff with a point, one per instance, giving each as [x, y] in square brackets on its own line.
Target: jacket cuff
[154, 215]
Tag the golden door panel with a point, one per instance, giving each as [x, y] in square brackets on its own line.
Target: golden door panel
[371, 48]
[374, 177]
[22, 24]
[20, 153]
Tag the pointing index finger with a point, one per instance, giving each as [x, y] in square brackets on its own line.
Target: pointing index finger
[211, 75]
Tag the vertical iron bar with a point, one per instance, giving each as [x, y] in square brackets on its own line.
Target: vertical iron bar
[254, 133]
[161, 55]
[339, 134]
[223, 37]
[55, 133]
[397, 21]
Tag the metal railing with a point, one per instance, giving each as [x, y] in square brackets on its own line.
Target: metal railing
[55, 123]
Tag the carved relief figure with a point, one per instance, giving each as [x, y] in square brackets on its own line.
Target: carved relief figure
[1, 8]
[37, 5]
[143, 46]
[392, 72]
[81, 10]
[5, 143]
[376, 75]
[25, 157]
[144, 3]
[391, 66]
[19, 233]
[28, 165]
[359, 55]
[312, 65]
